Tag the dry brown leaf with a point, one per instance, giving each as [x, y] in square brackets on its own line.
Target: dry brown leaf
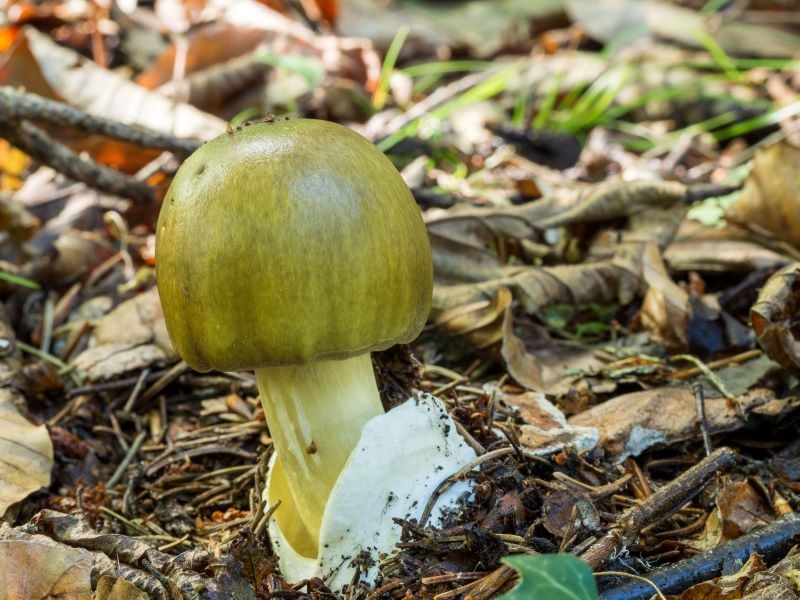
[116, 588]
[742, 508]
[26, 455]
[546, 429]
[775, 316]
[38, 568]
[719, 249]
[665, 309]
[769, 200]
[480, 324]
[604, 282]
[130, 337]
[40, 65]
[729, 587]
[632, 423]
[754, 581]
[614, 199]
[547, 366]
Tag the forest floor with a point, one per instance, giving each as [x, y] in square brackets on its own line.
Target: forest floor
[611, 197]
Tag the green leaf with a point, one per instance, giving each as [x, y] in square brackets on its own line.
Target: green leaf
[551, 576]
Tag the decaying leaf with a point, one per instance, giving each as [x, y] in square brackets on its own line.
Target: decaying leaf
[546, 429]
[665, 308]
[479, 323]
[719, 249]
[753, 581]
[39, 568]
[614, 199]
[543, 365]
[132, 336]
[775, 317]
[57, 72]
[26, 455]
[742, 508]
[631, 423]
[769, 200]
[116, 588]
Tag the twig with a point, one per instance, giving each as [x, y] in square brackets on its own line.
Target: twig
[770, 541]
[40, 146]
[19, 106]
[663, 502]
[700, 408]
[137, 443]
[712, 377]
[462, 473]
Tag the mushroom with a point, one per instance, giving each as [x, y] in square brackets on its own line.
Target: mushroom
[294, 248]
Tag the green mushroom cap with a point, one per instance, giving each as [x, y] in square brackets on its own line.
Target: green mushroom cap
[289, 241]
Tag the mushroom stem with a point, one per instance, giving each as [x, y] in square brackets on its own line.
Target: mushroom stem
[315, 413]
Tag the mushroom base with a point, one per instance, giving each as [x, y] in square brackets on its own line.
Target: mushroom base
[315, 413]
[398, 462]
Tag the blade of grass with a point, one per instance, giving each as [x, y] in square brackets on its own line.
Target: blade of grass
[489, 87]
[446, 67]
[768, 119]
[548, 103]
[719, 55]
[17, 280]
[390, 60]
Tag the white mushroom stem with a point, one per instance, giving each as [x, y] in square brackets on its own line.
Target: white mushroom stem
[315, 413]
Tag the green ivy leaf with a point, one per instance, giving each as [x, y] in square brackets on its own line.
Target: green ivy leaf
[551, 576]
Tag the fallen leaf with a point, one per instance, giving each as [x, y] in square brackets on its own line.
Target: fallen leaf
[39, 568]
[775, 315]
[545, 429]
[665, 308]
[132, 336]
[116, 588]
[769, 199]
[631, 423]
[26, 456]
[742, 508]
[543, 364]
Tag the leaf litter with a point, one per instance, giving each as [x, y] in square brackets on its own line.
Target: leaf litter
[626, 372]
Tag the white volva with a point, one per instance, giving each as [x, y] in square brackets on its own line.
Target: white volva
[400, 459]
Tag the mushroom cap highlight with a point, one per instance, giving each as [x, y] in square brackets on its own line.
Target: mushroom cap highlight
[289, 241]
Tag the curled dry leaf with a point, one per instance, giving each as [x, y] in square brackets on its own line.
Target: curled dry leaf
[26, 455]
[479, 323]
[769, 200]
[742, 508]
[719, 249]
[546, 365]
[665, 309]
[775, 317]
[606, 282]
[614, 199]
[753, 581]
